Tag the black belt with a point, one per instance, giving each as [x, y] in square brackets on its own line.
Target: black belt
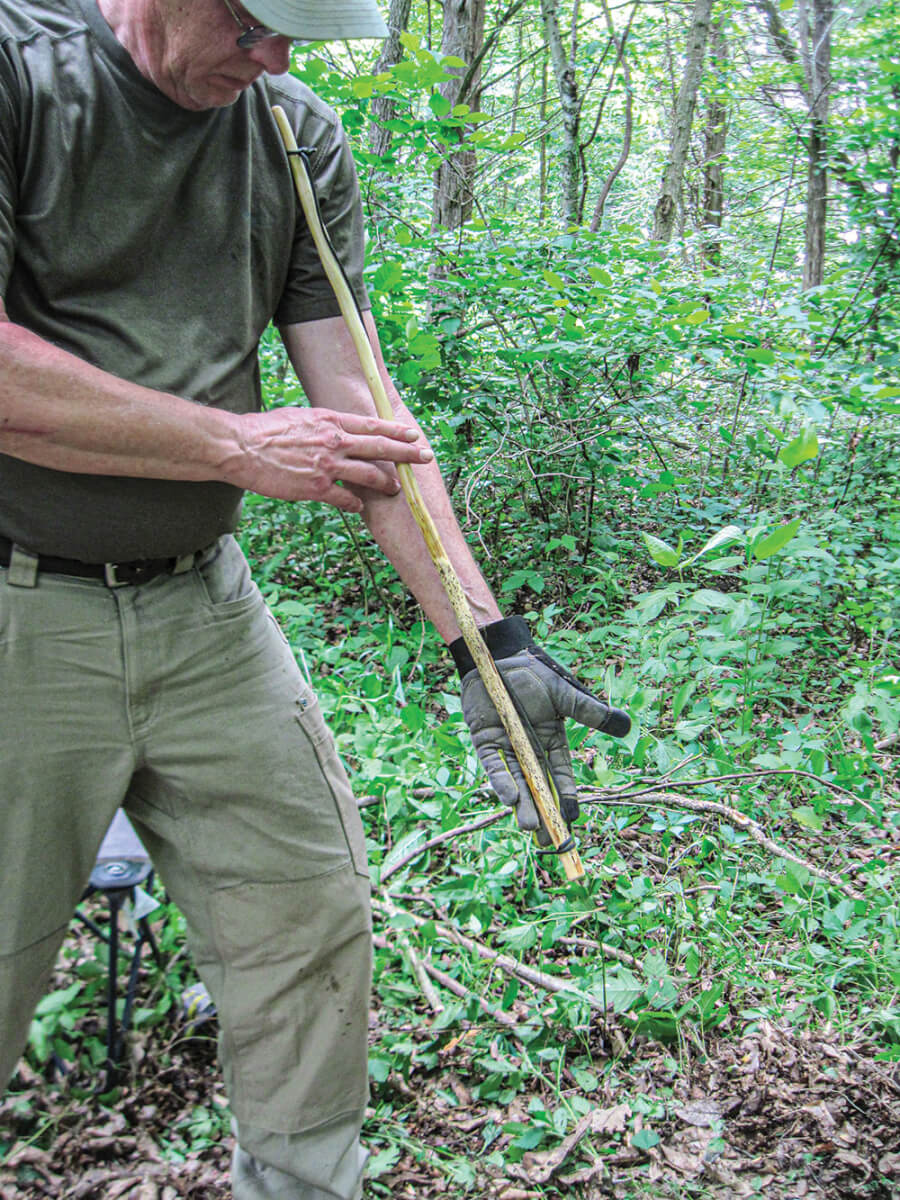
[114, 574]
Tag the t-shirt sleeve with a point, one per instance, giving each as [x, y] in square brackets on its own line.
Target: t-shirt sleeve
[308, 295]
[9, 188]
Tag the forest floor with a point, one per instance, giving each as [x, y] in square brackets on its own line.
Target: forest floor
[777, 1114]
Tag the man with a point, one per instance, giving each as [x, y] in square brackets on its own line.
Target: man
[148, 234]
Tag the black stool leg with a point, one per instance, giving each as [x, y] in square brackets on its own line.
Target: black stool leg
[112, 1039]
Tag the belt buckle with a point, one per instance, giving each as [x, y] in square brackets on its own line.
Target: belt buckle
[132, 573]
[111, 578]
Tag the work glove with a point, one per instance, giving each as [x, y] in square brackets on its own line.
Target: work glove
[544, 693]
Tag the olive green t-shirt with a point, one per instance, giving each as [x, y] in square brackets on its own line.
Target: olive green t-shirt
[156, 243]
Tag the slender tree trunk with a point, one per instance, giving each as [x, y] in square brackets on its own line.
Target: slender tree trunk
[542, 198]
[682, 119]
[817, 66]
[383, 109]
[814, 54]
[714, 138]
[567, 86]
[597, 218]
[517, 96]
[463, 34]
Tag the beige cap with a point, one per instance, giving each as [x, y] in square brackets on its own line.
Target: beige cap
[315, 21]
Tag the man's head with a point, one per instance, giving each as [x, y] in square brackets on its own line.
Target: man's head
[205, 53]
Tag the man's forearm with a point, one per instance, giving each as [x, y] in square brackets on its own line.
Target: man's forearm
[393, 526]
[61, 412]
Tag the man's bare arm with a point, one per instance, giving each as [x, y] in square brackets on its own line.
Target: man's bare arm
[328, 367]
[58, 411]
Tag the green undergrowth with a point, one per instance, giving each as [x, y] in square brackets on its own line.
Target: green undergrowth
[739, 844]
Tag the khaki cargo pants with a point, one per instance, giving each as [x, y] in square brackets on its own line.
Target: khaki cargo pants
[180, 700]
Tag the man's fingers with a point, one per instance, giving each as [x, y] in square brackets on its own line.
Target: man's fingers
[371, 438]
[591, 711]
[342, 498]
[505, 776]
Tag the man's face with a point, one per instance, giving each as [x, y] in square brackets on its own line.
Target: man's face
[188, 48]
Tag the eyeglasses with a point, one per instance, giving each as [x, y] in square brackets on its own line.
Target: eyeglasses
[253, 34]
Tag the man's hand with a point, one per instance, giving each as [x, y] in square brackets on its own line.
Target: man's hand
[545, 693]
[308, 453]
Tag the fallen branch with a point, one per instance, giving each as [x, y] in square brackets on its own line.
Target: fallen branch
[624, 794]
[744, 822]
[418, 968]
[536, 979]
[448, 835]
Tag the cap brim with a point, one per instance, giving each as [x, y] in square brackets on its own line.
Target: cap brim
[316, 22]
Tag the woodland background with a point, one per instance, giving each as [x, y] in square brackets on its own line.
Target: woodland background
[635, 267]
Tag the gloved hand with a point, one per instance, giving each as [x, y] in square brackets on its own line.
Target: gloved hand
[545, 693]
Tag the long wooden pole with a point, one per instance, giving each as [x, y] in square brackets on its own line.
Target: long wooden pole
[487, 669]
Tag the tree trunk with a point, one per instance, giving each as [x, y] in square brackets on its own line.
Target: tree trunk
[814, 54]
[567, 86]
[383, 109]
[682, 119]
[542, 196]
[463, 34]
[714, 139]
[817, 67]
[597, 218]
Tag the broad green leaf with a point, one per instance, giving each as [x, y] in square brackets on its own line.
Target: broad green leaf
[729, 534]
[600, 276]
[39, 1041]
[660, 551]
[697, 317]
[57, 1001]
[809, 819]
[773, 542]
[439, 104]
[554, 280]
[761, 355]
[681, 698]
[645, 1139]
[622, 989]
[801, 449]
[382, 1162]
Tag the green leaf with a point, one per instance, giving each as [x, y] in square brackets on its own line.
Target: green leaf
[809, 819]
[729, 534]
[801, 449]
[622, 989]
[382, 1162]
[413, 717]
[600, 276]
[439, 104]
[762, 355]
[57, 1001]
[39, 1041]
[774, 541]
[697, 317]
[660, 551]
[681, 698]
[645, 1139]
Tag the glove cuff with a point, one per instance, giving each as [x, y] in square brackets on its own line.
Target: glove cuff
[502, 638]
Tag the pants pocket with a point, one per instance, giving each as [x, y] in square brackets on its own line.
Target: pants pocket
[312, 724]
